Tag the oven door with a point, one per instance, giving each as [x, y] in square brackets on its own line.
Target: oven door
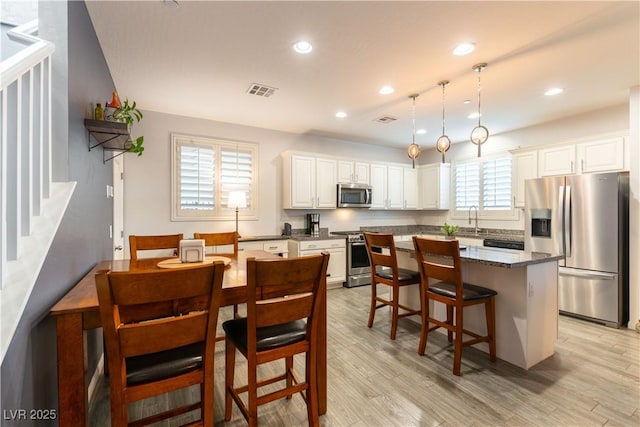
[358, 259]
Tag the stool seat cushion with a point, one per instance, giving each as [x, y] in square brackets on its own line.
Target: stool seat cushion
[403, 274]
[268, 337]
[164, 364]
[470, 292]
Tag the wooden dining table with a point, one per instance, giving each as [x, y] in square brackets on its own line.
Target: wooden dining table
[78, 311]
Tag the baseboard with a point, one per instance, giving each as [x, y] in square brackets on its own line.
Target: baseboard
[95, 378]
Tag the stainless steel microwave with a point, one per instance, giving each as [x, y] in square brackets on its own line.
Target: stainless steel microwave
[354, 196]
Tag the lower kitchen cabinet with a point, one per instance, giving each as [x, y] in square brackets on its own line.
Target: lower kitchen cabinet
[337, 249]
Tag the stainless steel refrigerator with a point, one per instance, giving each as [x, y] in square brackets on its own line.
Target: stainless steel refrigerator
[585, 218]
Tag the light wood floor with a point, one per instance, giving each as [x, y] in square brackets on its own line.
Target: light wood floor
[592, 380]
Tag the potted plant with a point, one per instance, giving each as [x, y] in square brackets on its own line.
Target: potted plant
[129, 114]
[449, 231]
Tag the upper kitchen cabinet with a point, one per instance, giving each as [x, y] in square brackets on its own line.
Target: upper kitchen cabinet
[410, 188]
[308, 182]
[393, 187]
[353, 172]
[525, 166]
[378, 186]
[557, 161]
[434, 184]
[605, 155]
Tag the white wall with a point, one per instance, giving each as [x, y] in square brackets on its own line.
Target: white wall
[634, 206]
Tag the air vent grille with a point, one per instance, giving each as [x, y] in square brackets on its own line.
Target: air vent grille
[385, 119]
[261, 90]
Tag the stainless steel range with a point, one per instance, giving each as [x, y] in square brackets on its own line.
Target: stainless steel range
[358, 266]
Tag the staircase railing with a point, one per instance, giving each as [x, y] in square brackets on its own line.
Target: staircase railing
[32, 205]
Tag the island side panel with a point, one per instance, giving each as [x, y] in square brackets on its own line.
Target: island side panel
[526, 308]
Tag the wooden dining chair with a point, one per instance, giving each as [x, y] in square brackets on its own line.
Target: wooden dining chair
[145, 243]
[384, 271]
[215, 241]
[441, 271]
[284, 301]
[160, 337]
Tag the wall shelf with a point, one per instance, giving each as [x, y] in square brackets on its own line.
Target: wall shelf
[112, 136]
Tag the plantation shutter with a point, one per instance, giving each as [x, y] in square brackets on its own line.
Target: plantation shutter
[496, 184]
[236, 174]
[467, 185]
[197, 178]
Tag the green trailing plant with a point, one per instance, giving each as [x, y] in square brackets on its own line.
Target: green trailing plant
[449, 230]
[129, 114]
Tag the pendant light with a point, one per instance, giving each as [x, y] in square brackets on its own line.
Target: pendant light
[479, 134]
[414, 149]
[443, 143]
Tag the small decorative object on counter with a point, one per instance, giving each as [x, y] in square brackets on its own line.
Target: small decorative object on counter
[99, 112]
[449, 230]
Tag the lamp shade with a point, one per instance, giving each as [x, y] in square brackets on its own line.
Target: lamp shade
[237, 199]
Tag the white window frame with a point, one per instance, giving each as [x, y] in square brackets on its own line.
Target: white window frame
[220, 211]
[510, 214]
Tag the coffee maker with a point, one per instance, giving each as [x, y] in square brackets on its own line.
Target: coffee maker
[313, 224]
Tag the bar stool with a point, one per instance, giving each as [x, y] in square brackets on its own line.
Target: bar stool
[440, 260]
[384, 271]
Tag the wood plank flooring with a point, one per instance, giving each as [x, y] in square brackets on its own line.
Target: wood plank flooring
[593, 379]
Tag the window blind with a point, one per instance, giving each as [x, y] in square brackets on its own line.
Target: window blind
[205, 171]
[485, 184]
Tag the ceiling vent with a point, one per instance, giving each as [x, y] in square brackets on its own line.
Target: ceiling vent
[261, 90]
[385, 119]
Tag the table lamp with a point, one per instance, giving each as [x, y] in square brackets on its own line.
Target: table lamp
[237, 200]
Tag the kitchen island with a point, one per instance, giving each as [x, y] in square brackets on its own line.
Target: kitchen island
[526, 304]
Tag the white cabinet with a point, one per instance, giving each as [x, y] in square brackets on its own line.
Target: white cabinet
[337, 249]
[557, 161]
[525, 166]
[395, 184]
[308, 182]
[378, 186]
[601, 156]
[278, 247]
[434, 184]
[353, 172]
[394, 187]
[410, 188]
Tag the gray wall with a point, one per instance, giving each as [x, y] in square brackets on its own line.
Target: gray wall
[29, 369]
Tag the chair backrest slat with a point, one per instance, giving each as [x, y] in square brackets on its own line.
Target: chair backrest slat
[382, 250]
[285, 290]
[145, 243]
[220, 239]
[440, 260]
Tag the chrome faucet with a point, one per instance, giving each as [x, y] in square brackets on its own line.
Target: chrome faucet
[476, 217]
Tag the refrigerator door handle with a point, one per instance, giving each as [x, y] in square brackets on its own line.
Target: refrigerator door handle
[563, 271]
[566, 226]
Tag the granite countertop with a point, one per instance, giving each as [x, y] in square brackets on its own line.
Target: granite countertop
[299, 237]
[505, 258]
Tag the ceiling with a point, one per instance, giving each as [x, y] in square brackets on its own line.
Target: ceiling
[200, 58]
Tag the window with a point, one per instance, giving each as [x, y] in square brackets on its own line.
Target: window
[485, 184]
[205, 172]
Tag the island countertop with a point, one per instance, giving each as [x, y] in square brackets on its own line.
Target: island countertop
[505, 258]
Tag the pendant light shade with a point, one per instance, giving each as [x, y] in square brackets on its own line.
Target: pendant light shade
[414, 149]
[479, 134]
[443, 143]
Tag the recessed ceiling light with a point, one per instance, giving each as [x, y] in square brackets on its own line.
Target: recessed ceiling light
[341, 114]
[302, 47]
[421, 131]
[464, 49]
[474, 115]
[466, 101]
[554, 91]
[386, 90]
